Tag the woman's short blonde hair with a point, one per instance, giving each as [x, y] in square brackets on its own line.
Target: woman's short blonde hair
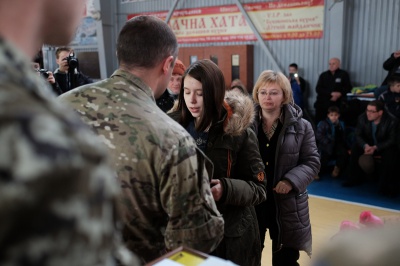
[269, 77]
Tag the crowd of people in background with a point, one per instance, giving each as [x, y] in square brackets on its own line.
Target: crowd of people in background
[364, 146]
[160, 155]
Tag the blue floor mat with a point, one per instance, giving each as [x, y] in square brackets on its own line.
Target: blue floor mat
[366, 193]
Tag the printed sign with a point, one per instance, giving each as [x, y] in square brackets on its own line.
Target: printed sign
[274, 21]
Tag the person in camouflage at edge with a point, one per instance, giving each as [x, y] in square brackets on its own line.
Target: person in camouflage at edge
[57, 194]
[166, 199]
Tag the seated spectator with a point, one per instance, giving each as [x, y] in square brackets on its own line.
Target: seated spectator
[373, 151]
[67, 74]
[331, 141]
[167, 99]
[332, 87]
[391, 97]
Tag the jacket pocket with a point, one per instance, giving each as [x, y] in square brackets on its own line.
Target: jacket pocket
[302, 208]
[237, 221]
[295, 211]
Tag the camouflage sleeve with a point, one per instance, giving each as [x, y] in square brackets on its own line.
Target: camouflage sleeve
[194, 220]
[56, 193]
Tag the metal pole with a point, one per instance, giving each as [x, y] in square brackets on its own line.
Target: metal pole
[171, 11]
[259, 38]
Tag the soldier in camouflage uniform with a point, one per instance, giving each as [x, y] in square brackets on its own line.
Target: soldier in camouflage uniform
[57, 191]
[166, 199]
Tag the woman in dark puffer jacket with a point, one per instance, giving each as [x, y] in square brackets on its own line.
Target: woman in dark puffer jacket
[289, 151]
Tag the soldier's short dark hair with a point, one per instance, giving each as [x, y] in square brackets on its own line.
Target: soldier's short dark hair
[213, 84]
[145, 41]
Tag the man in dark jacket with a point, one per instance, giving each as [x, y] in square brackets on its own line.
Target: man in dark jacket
[392, 65]
[67, 74]
[375, 138]
[391, 97]
[332, 87]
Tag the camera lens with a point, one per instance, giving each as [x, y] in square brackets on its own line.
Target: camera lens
[72, 61]
[43, 73]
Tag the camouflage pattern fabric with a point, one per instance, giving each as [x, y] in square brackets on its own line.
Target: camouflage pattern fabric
[57, 192]
[166, 199]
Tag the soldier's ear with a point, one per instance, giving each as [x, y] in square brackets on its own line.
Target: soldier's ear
[168, 64]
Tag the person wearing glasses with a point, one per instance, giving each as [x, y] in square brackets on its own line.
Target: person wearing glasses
[289, 151]
[373, 151]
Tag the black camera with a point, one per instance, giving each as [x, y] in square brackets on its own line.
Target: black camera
[43, 73]
[72, 61]
[293, 75]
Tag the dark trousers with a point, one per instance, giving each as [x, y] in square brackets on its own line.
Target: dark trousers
[339, 154]
[384, 171]
[266, 216]
[285, 257]
[389, 179]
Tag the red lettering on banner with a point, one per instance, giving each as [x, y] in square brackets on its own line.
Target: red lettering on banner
[281, 19]
[242, 21]
[214, 22]
[188, 24]
[202, 24]
[193, 24]
[232, 20]
[222, 23]
[174, 25]
[273, 15]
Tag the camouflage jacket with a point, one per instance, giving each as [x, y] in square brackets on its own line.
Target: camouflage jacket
[166, 199]
[57, 194]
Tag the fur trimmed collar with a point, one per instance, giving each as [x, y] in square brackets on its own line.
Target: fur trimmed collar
[240, 113]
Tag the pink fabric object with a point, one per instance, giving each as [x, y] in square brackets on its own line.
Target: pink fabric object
[346, 225]
[368, 219]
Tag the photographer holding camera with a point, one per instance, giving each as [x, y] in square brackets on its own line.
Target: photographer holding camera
[47, 75]
[67, 74]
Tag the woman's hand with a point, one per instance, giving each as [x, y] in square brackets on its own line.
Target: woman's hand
[283, 187]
